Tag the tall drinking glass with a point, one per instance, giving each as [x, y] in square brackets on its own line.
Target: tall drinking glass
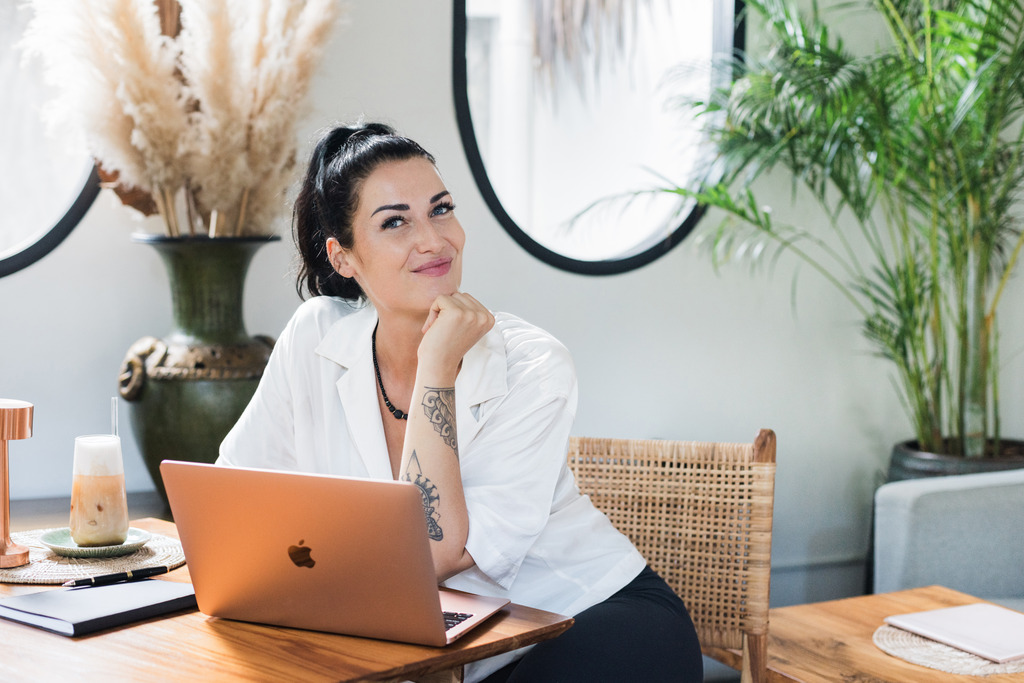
[99, 505]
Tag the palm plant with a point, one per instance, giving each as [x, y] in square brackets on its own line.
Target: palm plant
[921, 143]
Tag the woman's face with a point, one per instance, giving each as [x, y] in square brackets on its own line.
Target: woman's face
[407, 242]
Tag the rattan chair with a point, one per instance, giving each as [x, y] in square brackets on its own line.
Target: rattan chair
[701, 514]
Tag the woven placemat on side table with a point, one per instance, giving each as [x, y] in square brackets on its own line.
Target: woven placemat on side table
[47, 567]
[913, 648]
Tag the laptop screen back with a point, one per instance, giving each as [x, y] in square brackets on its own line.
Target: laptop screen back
[307, 551]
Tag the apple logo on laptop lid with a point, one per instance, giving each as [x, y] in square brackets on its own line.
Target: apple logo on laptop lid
[300, 555]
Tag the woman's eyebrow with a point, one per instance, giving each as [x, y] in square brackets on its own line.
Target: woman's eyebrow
[405, 207]
[391, 207]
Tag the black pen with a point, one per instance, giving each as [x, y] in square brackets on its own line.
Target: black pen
[120, 577]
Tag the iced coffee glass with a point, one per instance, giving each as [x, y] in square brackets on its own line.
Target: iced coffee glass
[99, 506]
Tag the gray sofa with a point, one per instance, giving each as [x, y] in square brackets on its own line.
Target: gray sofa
[965, 532]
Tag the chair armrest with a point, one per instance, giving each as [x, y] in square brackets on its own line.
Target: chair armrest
[959, 531]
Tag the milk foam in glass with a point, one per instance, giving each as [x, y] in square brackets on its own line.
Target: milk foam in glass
[99, 506]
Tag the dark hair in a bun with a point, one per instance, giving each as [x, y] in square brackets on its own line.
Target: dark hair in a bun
[342, 159]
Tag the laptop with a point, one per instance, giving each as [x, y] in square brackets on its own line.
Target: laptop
[989, 631]
[316, 552]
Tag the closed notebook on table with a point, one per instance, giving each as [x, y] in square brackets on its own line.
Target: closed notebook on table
[77, 611]
[986, 630]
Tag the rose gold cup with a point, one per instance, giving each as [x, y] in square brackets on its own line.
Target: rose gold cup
[15, 423]
[99, 505]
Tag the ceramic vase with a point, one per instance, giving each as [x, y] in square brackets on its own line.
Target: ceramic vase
[186, 390]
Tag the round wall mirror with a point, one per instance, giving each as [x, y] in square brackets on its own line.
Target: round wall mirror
[566, 115]
[49, 185]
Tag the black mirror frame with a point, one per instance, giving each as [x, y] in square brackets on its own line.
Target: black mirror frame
[55, 235]
[469, 144]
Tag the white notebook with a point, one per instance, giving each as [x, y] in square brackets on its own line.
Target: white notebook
[990, 631]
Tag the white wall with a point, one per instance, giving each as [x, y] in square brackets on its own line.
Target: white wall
[670, 351]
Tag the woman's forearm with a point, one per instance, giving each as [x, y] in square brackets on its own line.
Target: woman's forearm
[430, 461]
[430, 456]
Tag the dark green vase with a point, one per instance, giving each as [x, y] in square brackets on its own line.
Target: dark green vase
[185, 391]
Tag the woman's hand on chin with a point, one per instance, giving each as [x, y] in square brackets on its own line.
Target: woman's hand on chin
[454, 324]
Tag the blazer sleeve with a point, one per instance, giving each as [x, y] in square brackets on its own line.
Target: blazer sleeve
[517, 460]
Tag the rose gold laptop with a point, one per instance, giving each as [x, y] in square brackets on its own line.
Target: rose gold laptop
[315, 552]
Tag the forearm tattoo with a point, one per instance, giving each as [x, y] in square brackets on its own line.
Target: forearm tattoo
[439, 405]
[414, 473]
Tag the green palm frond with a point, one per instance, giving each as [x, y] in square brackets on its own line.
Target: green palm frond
[922, 144]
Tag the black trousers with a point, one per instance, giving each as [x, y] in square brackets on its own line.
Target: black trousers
[642, 633]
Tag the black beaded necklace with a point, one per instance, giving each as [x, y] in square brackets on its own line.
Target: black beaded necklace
[399, 415]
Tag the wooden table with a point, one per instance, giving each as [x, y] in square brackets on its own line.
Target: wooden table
[191, 646]
[825, 642]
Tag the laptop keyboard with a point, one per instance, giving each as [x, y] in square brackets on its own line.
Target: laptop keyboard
[452, 619]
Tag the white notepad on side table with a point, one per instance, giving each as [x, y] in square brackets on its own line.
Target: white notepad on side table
[990, 631]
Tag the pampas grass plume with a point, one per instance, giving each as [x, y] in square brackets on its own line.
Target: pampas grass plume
[69, 40]
[204, 120]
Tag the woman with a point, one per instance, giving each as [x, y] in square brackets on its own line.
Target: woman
[391, 371]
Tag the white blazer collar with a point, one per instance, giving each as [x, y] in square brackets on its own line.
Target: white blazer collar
[483, 377]
[348, 340]
[347, 343]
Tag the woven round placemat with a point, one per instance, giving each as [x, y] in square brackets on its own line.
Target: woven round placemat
[47, 567]
[934, 655]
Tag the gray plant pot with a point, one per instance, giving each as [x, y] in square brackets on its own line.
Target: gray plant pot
[907, 462]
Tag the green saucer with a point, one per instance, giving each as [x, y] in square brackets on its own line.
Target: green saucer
[60, 542]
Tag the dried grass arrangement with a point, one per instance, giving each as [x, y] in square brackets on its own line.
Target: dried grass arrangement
[188, 106]
[576, 39]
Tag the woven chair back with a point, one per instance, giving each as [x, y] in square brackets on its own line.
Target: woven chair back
[701, 514]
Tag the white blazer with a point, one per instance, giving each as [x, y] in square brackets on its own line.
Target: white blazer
[534, 538]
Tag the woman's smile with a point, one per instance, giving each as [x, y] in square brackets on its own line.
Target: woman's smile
[435, 268]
